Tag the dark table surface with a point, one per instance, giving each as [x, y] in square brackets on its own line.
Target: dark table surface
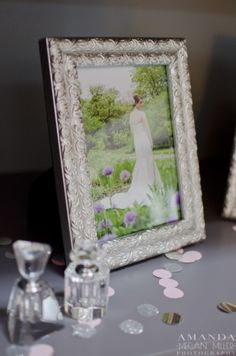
[205, 283]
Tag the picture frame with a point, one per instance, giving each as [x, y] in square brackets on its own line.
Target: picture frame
[64, 63]
[229, 209]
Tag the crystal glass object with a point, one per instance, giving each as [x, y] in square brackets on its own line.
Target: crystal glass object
[32, 300]
[31, 258]
[86, 283]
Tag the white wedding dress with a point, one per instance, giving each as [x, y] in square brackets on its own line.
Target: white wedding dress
[145, 173]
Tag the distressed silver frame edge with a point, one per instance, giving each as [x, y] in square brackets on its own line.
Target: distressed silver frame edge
[63, 54]
[229, 209]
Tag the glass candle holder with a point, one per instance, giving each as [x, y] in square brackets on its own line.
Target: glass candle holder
[86, 283]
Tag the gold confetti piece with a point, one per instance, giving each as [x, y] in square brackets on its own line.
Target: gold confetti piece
[171, 318]
[227, 307]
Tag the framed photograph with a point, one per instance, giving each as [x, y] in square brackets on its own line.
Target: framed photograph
[123, 144]
[229, 210]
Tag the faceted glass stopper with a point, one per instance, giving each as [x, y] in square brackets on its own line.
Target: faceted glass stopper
[31, 258]
[87, 253]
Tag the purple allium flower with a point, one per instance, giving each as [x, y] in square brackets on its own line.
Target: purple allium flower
[177, 198]
[172, 219]
[107, 171]
[130, 218]
[98, 208]
[124, 175]
[108, 237]
[104, 224]
[174, 200]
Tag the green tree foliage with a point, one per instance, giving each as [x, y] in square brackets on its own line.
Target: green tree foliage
[159, 118]
[150, 81]
[101, 107]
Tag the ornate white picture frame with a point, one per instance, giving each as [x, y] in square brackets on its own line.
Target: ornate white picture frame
[229, 210]
[61, 60]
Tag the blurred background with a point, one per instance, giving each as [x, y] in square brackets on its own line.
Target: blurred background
[210, 30]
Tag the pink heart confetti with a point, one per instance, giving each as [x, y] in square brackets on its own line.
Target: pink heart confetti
[111, 292]
[190, 257]
[41, 349]
[186, 259]
[58, 260]
[162, 273]
[173, 293]
[234, 228]
[92, 323]
[168, 282]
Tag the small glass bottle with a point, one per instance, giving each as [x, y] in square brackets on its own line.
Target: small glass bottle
[32, 301]
[86, 283]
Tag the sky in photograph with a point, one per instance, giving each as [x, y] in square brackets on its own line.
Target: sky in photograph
[118, 78]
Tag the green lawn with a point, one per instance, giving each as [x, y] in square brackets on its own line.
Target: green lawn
[98, 159]
[104, 186]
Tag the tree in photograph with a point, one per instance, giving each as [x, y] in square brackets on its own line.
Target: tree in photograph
[102, 106]
[150, 81]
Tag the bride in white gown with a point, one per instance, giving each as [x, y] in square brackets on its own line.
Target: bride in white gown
[145, 173]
